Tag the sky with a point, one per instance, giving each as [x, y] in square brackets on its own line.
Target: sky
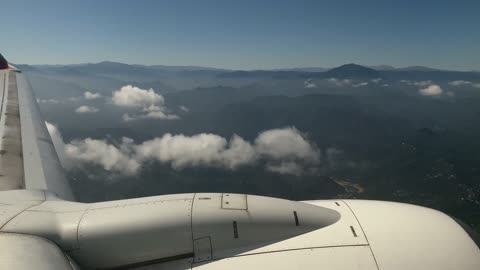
[243, 34]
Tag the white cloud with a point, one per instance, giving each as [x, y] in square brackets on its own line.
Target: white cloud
[423, 83]
[131, 96]
[239, 152]
[282, 151]
[86, 109]
[150, 103]
[339, 82]
[160, 115]
[199, 150]
[184, 108]
[385, 85]
[377, 80]
[419, 83]
[459, 83]
[285, 143]
[287, 167]
[360, 84]
[309, 84]
[150, 115]
[101, 153]
[90, 95]
[432, 90]
[277, 147]
[48, 101]
[464, 83]
[156, 112]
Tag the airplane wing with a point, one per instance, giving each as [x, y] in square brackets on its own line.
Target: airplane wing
[41, 227]
[27, 156]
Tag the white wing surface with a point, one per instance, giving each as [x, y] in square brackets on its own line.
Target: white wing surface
[28, 159]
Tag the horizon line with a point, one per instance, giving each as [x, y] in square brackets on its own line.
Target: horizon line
[271, 69]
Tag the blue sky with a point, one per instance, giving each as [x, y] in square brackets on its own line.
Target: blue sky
[244, 34]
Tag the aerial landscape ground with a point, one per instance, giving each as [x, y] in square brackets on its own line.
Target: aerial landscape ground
[398, 134]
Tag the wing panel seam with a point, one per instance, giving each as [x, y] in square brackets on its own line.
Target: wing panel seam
[364, 234]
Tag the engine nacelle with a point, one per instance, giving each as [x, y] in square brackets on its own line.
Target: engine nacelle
[200, 227]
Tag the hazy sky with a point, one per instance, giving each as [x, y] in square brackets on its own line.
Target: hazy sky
[243, 34]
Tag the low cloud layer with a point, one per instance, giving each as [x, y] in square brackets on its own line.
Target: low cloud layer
[432, 90]
[464, 83]
[418, 83]
[48, 101]
[459, 83]
[149, 104]
[362, 84]
[339, 82]
[101, 153]
[423, 83]
[283, 151]
[90, 95]
[154, 114]
[86, 109]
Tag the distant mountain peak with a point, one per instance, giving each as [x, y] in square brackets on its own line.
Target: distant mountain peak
[353, 65]
[353, 71]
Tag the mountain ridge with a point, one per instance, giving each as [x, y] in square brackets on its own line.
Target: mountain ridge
[380, 67]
